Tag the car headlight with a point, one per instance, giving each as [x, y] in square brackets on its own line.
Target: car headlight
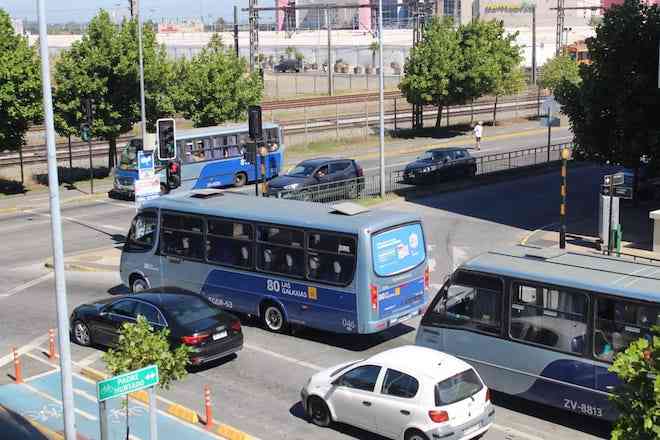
[426, 169]
[292, 186]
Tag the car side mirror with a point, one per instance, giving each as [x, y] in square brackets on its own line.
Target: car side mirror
[337, 382]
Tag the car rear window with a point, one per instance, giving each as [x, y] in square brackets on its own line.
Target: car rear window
[457, 388]
[191, 310]
[398, 250]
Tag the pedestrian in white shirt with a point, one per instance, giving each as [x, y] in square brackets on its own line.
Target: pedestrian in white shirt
[478, 131]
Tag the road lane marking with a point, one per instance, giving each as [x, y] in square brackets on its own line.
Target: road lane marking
[24, 349]
[47, 373]
[27, 285]
[284, 358]
[89, 360]
[81, 223]
[59, 402]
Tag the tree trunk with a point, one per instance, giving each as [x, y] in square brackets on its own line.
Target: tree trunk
[112, 152]
[495, 111]
[438, 121]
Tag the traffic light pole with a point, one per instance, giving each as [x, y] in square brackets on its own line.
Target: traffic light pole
[89, 146]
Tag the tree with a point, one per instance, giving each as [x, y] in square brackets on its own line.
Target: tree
[432, 66]
[638, 396]
[216, 87]
[20, 86]
[613, 111]
[140, 346]
[103, 66]
[490, 58]
[558, 69]
[511, 83]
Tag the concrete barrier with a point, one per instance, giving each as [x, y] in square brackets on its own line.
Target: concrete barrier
[231, 433]
[93, 374]
[183, 413]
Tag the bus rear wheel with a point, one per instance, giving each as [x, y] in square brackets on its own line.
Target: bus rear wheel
[240, 179]
[273, 318]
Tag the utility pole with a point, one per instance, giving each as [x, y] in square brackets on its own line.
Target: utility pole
[561, 14]
[565, 153]
[132, 8]
[381, 98]
[254, 32]
[236, 30]
[534, 44]
[56, 233]
[329, 26]
[143, 111]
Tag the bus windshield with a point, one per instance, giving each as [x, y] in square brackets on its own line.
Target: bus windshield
[128, 159]
[398, 250]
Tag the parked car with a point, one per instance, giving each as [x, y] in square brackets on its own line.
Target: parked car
[288, 66]
[440, 164]
[319, 179]
[407, 393]
[192, 320]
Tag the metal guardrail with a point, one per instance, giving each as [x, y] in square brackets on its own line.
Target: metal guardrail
[369, 186]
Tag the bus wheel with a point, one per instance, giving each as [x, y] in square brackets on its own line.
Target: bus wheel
[273, 318]
[164, 189]
[138, 285]
[240, 179]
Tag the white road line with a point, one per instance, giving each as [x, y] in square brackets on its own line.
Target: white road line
[39, 358]
[80, 222]
[27, 285]
[39, 376]
[24, 349]
[284, 358]
[59, 402]
[85, 395]
[515, 432]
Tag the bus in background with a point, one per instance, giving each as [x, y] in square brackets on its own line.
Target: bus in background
[209, 157]
[545, 324]
[579, 52]
[344, 269]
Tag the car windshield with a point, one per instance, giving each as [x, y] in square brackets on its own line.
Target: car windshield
[457, 388]
[428, 155]
[192, 310]
[302, 170]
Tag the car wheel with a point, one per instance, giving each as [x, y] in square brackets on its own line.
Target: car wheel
[240, 179]
[164, 189]
[273, 318]
[81, 334]
[415, 434]
[138, 285]
[318, 412]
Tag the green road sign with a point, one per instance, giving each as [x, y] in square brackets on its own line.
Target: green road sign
[127, 383]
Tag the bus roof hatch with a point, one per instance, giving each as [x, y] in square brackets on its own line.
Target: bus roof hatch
[348, 208]
[206, 193]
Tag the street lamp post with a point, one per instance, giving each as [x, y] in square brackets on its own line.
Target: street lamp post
[565, 154]
[143, 111]
[381, 99]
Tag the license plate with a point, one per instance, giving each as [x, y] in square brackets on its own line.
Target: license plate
[472, 429]
[220, 335]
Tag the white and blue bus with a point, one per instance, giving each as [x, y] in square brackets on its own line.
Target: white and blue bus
[210, 157]
[285, 261]
[545, 324]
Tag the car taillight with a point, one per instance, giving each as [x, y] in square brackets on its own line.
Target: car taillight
[360, 171]
[439, 416]
[236, 326]
[427, 278]
[374, 298]
[195, 339]
[488, 395]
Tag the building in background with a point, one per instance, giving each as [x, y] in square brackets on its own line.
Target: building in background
[17, 23]
[180, 26]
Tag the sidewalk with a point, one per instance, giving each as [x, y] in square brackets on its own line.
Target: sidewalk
[40, 196]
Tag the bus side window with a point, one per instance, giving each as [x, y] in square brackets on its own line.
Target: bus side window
[618, 323]
[229, 243]
[472, 301]
[182, 236]
[281, 250]
[331, 258]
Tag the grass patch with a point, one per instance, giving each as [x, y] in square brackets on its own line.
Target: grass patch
[376, 200]
[71, 175]
[332, 145]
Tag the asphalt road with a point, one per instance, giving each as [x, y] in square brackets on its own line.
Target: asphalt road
[258, 391]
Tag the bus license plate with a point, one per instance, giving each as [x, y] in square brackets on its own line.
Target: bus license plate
[220, 335]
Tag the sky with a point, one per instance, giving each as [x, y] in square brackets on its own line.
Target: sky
[59, 11]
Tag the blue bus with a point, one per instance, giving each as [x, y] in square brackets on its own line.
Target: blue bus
[545, 324]
[339, 269]
[210, 157]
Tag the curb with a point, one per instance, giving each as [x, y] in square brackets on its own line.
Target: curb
[79, 266]
[52, 435]
[183, 413]
[93, 374]
[231, 433]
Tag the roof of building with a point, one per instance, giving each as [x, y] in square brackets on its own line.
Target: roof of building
[596, 273]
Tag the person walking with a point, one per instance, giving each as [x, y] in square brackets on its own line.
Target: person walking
[478, 131]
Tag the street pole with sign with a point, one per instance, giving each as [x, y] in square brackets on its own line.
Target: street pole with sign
[143, 111]
[255, 131]
[565, 153]
[56, 233]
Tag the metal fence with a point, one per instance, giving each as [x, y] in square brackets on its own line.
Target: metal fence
[369, 186]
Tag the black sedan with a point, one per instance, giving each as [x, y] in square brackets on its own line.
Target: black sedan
[192, 320]
[440, 164]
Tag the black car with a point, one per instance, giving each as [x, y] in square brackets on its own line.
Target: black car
[320, 178]
[440, 164]
[192, 320]
[288, 66]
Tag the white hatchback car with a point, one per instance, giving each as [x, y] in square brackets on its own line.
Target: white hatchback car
[407, 393]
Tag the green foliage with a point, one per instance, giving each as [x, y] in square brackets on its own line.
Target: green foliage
[453, 66]
[431, 68]
[103, 66]
[215, 87]
[20, 86]
[558, 69]
[638, 398]
[140, 346]
[614, 111]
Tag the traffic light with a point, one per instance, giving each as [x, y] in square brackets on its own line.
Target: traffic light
[255, 129]
[85, 132]
[165, 133]
[173, 175]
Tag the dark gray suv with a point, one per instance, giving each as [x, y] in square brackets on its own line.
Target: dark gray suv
[318, 179]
